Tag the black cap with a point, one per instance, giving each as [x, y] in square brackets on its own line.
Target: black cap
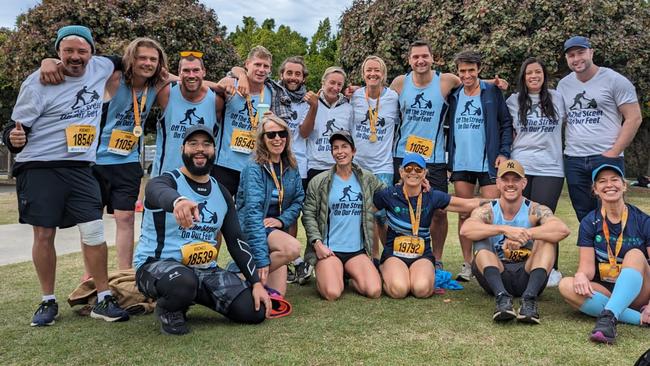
[198, 128]
[342, 135]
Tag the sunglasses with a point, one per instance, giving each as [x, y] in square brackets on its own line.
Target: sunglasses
[411, 168]
[271, 134]
[197, 54]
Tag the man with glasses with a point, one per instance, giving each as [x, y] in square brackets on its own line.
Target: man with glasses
[176, 257]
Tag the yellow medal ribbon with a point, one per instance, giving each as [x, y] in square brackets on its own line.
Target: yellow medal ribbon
[373, 116]
[278, 183]
[138, 109]
[619, 240]
[415, 217]
[254, 119]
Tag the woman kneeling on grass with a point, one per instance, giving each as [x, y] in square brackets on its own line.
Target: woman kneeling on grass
[338, 220]
[269, 201]
[612, 282]
[407, 260]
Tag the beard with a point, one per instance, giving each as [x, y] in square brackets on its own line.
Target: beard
[188, 160]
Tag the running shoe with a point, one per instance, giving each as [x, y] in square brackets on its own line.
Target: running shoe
[109, 310]
[45, 314]
[554, 278]
[605, 329]
[504, 310]
[528, 311]
[291, 273]
[172, 322]
[439, 265]
[303, 272]
[465, 274]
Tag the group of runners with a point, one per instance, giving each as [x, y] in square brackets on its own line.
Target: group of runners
[243, 158]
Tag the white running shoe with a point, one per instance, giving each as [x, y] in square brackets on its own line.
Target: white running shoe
[554, 278]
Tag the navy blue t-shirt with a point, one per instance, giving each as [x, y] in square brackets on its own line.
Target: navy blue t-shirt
[397, 211]
[636, 235]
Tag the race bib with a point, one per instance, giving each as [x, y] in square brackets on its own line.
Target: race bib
[122, 142]
[408, 246]
[242, 141]
[517, 255]
[609, 272]
[199, 255]
[79, 137]
[419, 145]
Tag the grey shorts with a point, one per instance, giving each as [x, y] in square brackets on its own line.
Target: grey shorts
[217, 288]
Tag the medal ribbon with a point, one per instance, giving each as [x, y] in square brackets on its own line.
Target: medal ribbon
[619, 240]
[278, 184]
[254, 119]
[373, 116]
[138, 109]
[415, 218]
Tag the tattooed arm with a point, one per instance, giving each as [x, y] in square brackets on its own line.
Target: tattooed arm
[546, 226]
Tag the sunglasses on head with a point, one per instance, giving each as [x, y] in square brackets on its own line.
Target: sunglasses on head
[411, 168]
[271, 134]
[197, 54]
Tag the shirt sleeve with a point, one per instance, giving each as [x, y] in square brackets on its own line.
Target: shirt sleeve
[30, 104]
[379, 199]
[624, 91]
[161, 193]
[439, 200]
[587, 231]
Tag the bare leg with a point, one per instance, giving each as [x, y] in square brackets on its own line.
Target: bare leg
[124, 221]
[44, 257]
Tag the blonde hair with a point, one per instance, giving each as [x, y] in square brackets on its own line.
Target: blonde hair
[332, 70]
[382, 67]
[260, 52]
[130, 55]
[262, 154]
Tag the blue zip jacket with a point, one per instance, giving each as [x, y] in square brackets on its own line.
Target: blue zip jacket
[498, 125]
[253, 198]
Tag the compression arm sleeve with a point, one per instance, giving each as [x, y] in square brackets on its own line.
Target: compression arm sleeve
[161, 193]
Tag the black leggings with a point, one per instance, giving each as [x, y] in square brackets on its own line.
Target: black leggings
[546, 191]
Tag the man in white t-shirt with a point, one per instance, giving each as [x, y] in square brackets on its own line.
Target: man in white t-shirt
[54, 136]
[598, 100]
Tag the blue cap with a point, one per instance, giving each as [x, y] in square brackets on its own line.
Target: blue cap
[413, 158]
[595, 172]
[576, 41]
[74, 30]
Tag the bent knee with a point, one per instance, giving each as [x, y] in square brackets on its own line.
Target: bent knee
[396, 290]
[330, 292]
[373, 290]
[566, 287]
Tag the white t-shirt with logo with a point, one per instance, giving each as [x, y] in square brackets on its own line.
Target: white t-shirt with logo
[49, 109]
[593, 118]
[538, 141]
[328, 120]
[298, 143]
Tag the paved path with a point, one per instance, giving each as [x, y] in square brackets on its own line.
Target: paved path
[16, 240]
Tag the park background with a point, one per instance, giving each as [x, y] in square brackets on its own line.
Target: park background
[454, 328]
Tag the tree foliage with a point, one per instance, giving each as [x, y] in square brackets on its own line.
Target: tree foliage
[322, 53]
[282, 43]
[506, 32]
[178, 25]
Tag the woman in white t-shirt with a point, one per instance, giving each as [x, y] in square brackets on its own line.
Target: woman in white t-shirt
[537, 115]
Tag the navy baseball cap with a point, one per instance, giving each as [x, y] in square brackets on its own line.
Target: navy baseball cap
[576, 41]
[413, 158]
[198, 128]
[342, 135]
[602, 167]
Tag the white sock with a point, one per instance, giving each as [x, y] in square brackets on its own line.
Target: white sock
[103, 294]
[49, 297]
[298, 261]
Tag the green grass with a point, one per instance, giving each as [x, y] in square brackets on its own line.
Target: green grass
[451, 329]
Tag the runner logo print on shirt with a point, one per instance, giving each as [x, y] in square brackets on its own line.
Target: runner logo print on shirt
[323, 141]
[205, 229]
[189, 114]
[421, 102]
[349, 204]
[584, 110]
[80, 134]
[85, 97]
[470, 118]
[536, 121]
[87, 105]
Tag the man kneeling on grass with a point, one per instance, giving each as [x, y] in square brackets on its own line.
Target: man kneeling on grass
[176, 258]
[514, 245]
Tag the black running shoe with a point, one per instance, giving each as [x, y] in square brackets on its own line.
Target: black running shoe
[109, 310]
[605, 329]
[291, 273]
[528, 311]
[303, 272]
[45, 314]
[504, 310]
[172, 322]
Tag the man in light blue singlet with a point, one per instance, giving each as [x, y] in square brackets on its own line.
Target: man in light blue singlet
[514, 245]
